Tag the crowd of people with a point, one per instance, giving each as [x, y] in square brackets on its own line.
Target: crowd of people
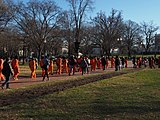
[70, 65]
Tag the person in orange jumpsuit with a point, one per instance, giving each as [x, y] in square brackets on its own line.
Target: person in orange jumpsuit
[1, 67]
[112, 62]
[32, 66]
[79, 62]
[107, 62]
[126, 62]
[92, 63]
[15, 67]
[65, 65]
[41, 64]
[51, 66]
[59, 65]
[98, 63]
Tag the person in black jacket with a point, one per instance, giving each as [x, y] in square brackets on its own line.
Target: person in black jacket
[117, 63]
[72, 62]
[103, 61]
[6, 72]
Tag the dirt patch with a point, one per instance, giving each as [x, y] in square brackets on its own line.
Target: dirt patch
[24, 95]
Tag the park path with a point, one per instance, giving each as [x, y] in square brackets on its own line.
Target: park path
[25, 81]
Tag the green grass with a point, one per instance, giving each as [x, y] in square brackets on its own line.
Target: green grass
[130, 96]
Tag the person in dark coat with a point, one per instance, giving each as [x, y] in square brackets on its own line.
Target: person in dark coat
[7, 72]
[103, 61]
[72, 62]
[83, 65]
[45, 67]
[117, 63]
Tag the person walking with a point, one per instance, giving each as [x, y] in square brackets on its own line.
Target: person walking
[15, 67]
[117, 63]
[65, 65]
[103, 61]
[107, 62]
[41, 64]
[1, 68]
[7, 72]
[59, 65]
[51, 66]
[112, 62]
[32, 66]
[72, 62]
[45, 67]
[83, 65]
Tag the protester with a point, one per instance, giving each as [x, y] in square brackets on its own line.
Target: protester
[45, 67]
[159, 62]
[98, 63]
[72, 63]
[1, 68]
[126, 62]
[65, 65]
[117, 63]
[59, 65]
[15, 67]
[32, 66]
[122, 62]
[41, 64]
[103, 61]
[51, 66]
[112, 62]
[88, 64]
[107, 62]
[6, 72]
[83, 65]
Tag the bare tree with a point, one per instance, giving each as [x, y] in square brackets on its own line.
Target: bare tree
[67, 30]
[109, 29]
[87, 39]
[148, 30]
[79, 9]
[131, 35]
[36, 19]
[4, 17]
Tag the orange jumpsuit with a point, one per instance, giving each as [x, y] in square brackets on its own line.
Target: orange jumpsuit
[79, 62]
[1, 67]
[112, 62]
[94, 63]
[99, 63]
[41, 64]
[65, 66]
[51, 67]
[126, 63]
[107, 62]
[91, 62]
[15, 67]
[59, 65]
[32, 66]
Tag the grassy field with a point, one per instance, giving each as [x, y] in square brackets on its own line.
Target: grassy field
[130, 96]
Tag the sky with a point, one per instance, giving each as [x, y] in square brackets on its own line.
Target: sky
[136, 10]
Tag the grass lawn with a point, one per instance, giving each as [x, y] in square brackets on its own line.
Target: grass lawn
[130, 96]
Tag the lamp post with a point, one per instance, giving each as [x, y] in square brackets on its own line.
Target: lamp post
[142, 48]
[45, 53]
